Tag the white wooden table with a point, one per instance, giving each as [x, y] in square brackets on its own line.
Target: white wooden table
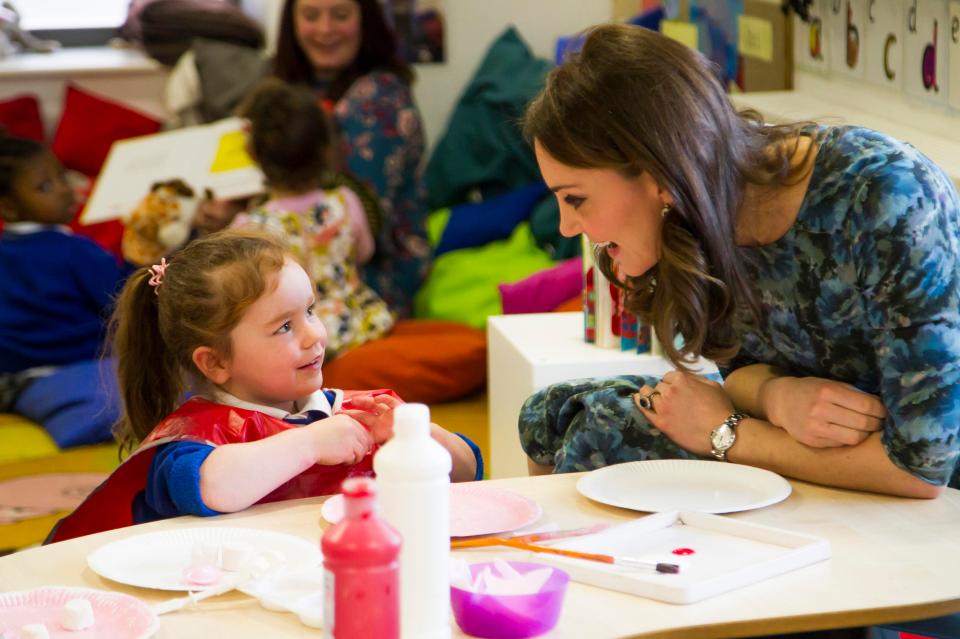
[893, 559]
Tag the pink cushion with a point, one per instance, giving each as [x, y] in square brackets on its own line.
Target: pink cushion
[20, 117]
[90, 125]
[544, 291]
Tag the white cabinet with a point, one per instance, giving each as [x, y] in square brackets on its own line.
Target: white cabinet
[529, 352]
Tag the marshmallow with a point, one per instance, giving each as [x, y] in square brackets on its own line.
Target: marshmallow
[234, 556]
[34, 631]
[77, 615]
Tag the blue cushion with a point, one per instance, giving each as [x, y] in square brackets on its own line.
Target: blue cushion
[494, 219]
[77, 404]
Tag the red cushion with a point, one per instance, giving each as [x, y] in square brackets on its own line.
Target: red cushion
[90, 125]
[20, 116]
[427, 361]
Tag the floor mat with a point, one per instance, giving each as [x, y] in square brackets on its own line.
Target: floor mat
[36, 493]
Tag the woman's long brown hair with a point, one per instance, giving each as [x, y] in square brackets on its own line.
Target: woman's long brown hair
[206, 289]
[633, 100]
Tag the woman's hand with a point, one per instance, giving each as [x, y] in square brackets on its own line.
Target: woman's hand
[375, 414]
[821, 413]
[686, 408]
[339, 440]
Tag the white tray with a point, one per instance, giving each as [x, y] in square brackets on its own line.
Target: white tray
[728, 554]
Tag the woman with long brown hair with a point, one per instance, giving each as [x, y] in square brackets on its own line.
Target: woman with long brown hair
[817, 265]
[347, 53]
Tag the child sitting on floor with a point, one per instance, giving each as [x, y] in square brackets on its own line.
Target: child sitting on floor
[234, 313]
[326, 229]
[55, 297]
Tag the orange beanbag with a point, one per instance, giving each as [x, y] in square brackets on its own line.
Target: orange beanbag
[427, 361]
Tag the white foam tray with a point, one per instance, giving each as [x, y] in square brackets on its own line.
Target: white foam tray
[728, 554]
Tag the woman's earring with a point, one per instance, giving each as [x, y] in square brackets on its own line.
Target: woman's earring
[666, 209]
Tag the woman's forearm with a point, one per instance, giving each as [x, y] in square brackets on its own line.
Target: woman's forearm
[865, 466]
[745, 388]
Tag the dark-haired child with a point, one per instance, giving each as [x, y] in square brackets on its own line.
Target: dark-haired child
[54, 300]
[326, 229]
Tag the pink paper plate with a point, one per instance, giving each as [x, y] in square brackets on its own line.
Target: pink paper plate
[116, 615]
[475, 509]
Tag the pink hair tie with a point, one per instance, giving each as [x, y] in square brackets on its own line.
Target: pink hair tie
[157, 278]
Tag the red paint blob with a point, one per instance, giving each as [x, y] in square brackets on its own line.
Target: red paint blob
[683, 551]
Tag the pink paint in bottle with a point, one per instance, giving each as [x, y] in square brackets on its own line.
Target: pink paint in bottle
[361, 569]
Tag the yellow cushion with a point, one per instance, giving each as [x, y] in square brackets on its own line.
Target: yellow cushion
[22, 439]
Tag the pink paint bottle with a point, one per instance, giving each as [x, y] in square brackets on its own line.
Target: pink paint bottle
[362, 569]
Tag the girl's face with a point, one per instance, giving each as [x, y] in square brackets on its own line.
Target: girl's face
[278, 345]
[329, 32]
[40, 193]
[608, 207]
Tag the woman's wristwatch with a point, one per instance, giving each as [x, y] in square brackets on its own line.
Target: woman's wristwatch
[723, 436]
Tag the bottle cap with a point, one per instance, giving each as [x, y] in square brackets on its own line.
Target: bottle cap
[411, 420]
[359, 496]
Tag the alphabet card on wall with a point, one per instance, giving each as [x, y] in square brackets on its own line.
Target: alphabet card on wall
[926, 33]
[883, 49]
[953, 56]
[847, 24]
[810, 41]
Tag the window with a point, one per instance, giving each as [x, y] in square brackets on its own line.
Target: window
[73, 23]
[47, 15]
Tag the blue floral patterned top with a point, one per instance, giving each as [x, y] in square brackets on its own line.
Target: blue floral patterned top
[865, 288]
[382, 137]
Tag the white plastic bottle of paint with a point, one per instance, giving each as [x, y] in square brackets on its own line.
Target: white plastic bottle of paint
[413, 476]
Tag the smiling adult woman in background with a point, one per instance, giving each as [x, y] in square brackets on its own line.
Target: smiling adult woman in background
[346, 51]
[817, 265]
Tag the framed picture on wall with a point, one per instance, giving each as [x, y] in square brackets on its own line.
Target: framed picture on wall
[419, 25]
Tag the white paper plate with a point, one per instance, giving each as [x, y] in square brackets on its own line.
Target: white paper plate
[682, 484]
[156, 560]
[476, 508]
[115, 615]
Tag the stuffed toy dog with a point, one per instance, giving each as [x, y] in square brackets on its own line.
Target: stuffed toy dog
[161, 223]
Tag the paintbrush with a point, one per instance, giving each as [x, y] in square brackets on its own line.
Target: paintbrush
[523, 543]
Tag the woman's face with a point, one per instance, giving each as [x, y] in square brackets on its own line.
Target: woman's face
[608, 207]
[329, 32]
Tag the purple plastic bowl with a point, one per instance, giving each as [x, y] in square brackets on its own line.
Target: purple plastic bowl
[510, 616]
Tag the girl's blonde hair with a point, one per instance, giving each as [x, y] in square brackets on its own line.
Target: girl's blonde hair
[635, 101]
[205, 290]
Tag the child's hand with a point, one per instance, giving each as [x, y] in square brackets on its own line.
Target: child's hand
[339, 440]
[376, 415]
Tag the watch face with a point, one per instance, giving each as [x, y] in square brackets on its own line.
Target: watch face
[723, 437]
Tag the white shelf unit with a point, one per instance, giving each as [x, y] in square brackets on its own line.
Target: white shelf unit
[530, 351]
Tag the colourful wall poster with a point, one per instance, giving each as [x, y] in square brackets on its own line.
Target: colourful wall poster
[847, 27]
[953, 56]
[883, 48]
[926, 34]
[810, 40]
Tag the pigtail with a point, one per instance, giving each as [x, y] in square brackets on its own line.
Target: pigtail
[151, 382]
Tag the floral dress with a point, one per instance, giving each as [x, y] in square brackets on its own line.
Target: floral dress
[864, 288]
[323, 240]
[383, 144]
